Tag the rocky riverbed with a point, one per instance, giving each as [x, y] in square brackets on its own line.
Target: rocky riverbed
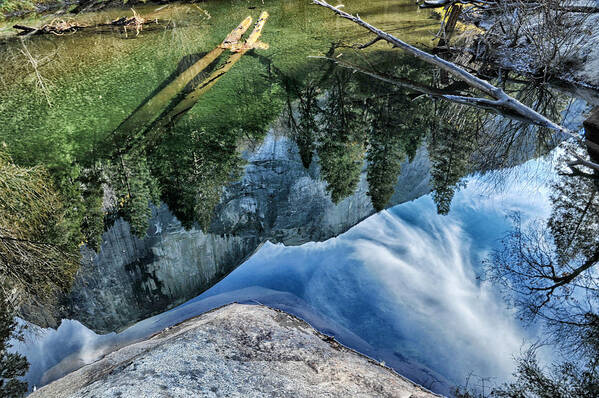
[235, 351]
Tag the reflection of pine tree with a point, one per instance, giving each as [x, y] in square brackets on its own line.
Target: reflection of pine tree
[306, 129]
[198, 157]
[395, 131]
[450, 149]
[341, 148]
[193, 169]
[135, 189]
[92, 194]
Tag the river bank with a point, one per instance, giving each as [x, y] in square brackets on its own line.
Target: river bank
[541, 42]
[12, 9]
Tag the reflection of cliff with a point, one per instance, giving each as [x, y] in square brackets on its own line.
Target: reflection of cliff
[277, 199]
[131, 279]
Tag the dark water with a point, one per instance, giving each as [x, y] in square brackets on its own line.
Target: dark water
[402, 286]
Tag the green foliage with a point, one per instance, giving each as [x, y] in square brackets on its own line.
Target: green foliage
[341, 148]
[192, 170]
[396, 129]
[135, 188]
[92, 192]
[343, 115]
[195, 160]
[37, 253]
[12, 365]
[450, 148]
[306, 129]
[15, 6]
[384, 166]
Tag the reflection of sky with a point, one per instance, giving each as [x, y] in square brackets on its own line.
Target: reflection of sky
[400, 286]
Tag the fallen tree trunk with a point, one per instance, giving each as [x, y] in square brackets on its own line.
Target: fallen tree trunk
[239, 49]
[60, 27]
[449, 24]
[499, 99]
[146, 114]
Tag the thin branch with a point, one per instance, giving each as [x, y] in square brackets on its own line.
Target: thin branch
[420, 88]
[370, 43]
[580, 161]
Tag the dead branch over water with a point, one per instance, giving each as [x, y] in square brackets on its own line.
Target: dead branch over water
[499, 99]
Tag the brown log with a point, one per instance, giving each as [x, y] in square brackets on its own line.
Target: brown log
[64, 28]
[25, 29]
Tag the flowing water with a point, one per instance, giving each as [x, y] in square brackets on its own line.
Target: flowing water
[291, 182]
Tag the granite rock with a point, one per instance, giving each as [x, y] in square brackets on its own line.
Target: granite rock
[235, 351]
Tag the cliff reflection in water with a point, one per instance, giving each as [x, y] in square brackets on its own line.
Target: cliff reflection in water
[289, 150]
[416, 304]
[344, 147]
[400, 286]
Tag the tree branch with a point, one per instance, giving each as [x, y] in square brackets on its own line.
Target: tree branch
[459, 73]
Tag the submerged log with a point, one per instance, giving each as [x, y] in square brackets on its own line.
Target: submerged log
[60, 27]
[150, 110]
[239, 49]
[446, 32]
[56, 27]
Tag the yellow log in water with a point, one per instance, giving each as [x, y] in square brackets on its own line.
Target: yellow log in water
[150, 110]
[239, 50]
[234, 37]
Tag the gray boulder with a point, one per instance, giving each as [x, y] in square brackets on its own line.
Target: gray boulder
[235, 351]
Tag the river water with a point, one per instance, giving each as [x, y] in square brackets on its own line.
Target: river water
[352, 240]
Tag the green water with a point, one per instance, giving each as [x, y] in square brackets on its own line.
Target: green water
[64, 100]
[62, 97]
[93, 81]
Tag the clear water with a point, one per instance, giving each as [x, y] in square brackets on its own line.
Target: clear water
[403, 285]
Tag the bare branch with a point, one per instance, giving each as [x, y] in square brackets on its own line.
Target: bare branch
[496, 93]
[370, 43]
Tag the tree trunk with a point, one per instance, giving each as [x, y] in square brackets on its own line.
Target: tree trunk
[591, 127]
